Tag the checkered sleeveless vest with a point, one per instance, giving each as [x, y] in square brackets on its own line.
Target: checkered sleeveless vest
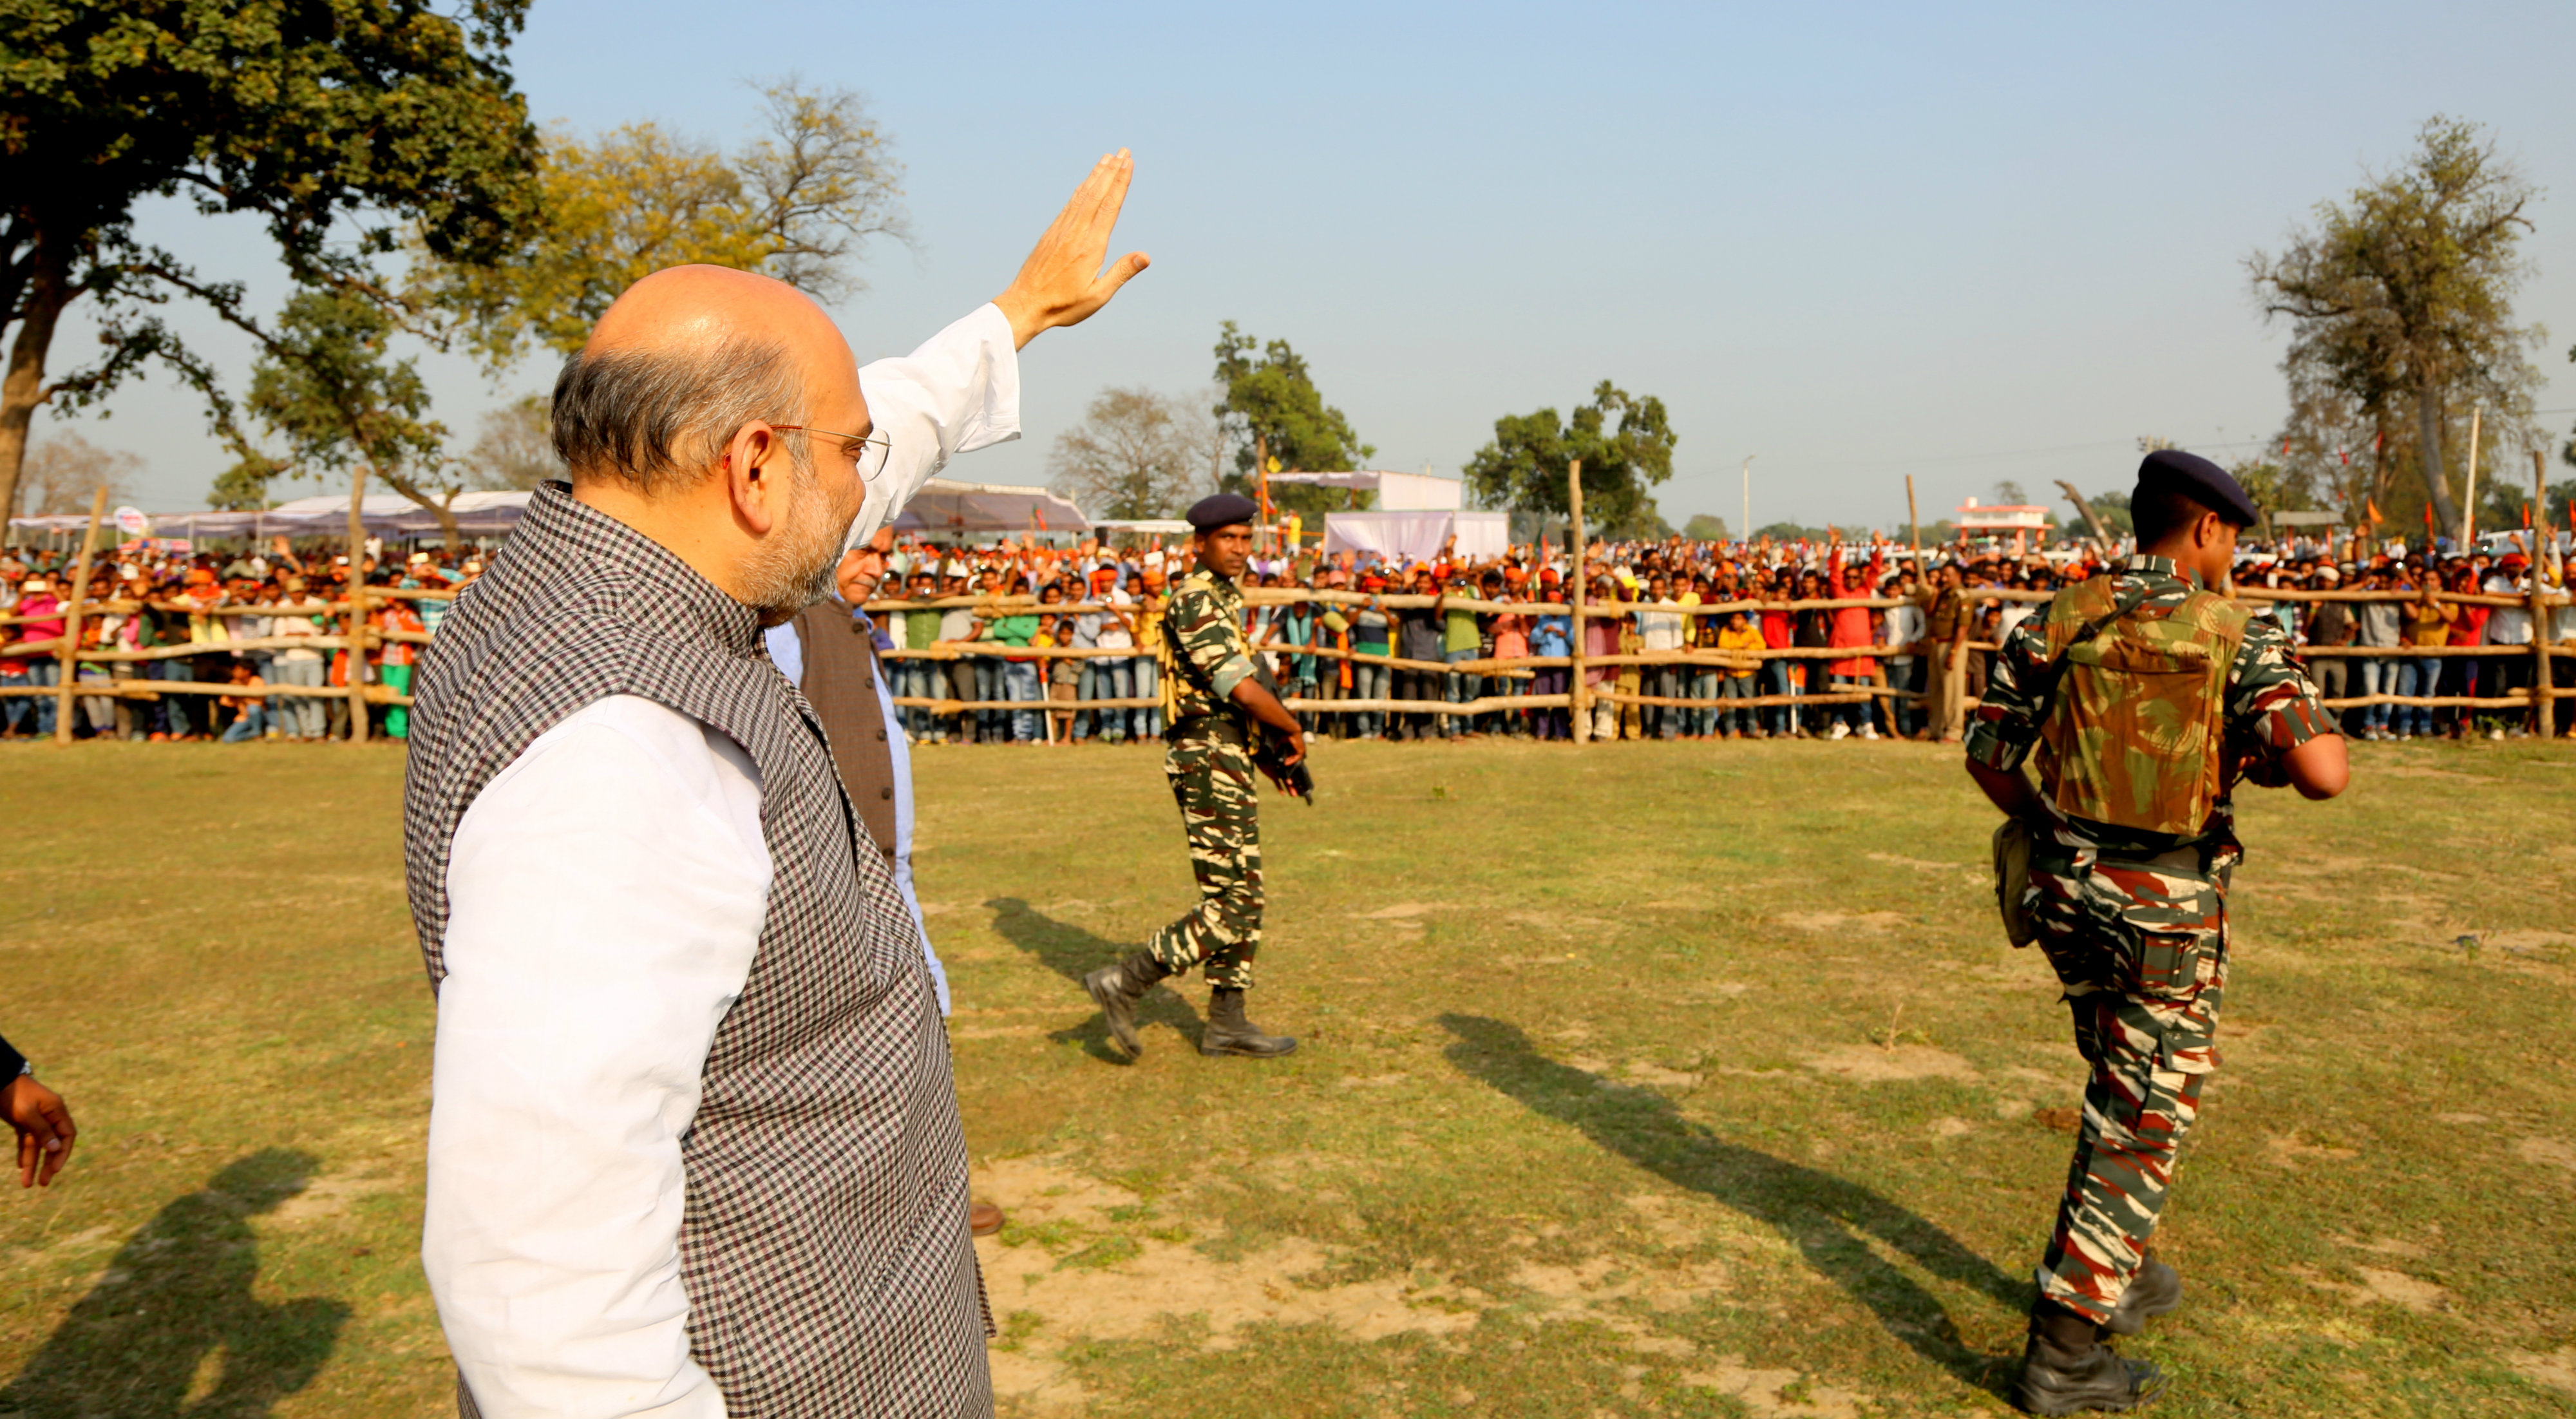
[824, 1246]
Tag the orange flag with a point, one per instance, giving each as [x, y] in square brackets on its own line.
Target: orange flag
[2373, 505]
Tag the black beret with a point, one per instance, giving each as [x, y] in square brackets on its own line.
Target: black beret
[2201, 481]
[1222, 510]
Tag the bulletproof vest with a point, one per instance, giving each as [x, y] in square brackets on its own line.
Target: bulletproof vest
[840, 681]
[2135, 734]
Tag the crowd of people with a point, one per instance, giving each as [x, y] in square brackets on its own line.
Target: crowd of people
[1640, 601]
[168, 598]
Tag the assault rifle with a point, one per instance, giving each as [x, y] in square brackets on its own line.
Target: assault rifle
[1269, 744]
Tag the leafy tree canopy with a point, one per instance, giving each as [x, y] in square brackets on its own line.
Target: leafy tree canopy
[1269, 408]
[1706, 527]
[797, 204]
[1625, 442]
[2401, 302]
[342, 125]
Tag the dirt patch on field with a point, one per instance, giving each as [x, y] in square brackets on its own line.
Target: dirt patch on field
[2555, 1152]
[1640, 1071]
[328, 1197]
[1086, 1260]
[2558, 1370]
[1869, 1064]
[1772, 1394]
[1401, 911]
[2381, 1286]
[2291, 1150]
[1843, 923]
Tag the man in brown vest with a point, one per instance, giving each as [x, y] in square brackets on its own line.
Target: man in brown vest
[829, 650]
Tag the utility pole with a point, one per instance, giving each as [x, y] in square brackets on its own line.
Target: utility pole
[1744, 533]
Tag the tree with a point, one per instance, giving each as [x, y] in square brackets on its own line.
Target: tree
[1706, 527]
[2113, 508]
[340, 124]
[2568, 453]
[2404, 295]
[514, 448]
[2011, 494]
[1525, 466]
[2275, 486]
[326, 384]
[797, 204]
[64, 471]
[1136, 454]
[1269, 410]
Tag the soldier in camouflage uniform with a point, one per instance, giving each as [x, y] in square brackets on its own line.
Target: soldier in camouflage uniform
[2140, 698]
[1213, 704]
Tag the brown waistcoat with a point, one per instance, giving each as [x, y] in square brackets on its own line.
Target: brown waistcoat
[840, 682]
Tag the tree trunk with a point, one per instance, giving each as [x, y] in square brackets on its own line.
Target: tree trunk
[2428, 457]
[446, 516]
[2100, 533]
[49, 289]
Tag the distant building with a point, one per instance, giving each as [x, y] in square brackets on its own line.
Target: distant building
[1996, 519]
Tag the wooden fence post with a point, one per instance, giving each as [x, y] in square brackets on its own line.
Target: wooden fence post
[1578, 697]
[357, 651]
[1913, 521]
[68, 668]
[2544, 713]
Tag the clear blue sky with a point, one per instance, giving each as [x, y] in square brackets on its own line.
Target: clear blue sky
[1859, 241]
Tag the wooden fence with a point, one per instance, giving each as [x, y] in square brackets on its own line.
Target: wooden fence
[1578, 699]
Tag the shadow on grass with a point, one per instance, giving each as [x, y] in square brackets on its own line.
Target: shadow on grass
[178, 1293]
[1072, 952]
[1831, 1220]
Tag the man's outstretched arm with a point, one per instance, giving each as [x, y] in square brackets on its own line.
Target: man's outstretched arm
[1062, 282]
[960, 391]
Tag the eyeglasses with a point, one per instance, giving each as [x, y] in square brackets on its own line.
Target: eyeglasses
[868, 452]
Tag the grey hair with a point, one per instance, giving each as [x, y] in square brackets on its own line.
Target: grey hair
[656, 419]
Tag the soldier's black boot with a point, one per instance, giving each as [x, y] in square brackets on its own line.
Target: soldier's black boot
[1229, 1033]
[1117, 989]
[2067, 1370]
[2156, 1289]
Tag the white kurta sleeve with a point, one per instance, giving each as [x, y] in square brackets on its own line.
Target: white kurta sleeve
[606, 894]
[959, 392]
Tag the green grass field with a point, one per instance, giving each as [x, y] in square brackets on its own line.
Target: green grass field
[1687, 1079]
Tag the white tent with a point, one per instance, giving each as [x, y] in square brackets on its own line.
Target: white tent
[1396, 492]
[1418, 535]
[384, 514]
[943, 505]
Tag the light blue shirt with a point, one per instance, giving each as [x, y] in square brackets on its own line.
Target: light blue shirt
[787, 652]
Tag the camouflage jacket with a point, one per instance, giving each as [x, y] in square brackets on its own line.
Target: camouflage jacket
[2270, 708]
[1205, 623]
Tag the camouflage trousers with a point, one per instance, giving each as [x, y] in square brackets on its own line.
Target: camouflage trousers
[2141, 949]
[1214, 783]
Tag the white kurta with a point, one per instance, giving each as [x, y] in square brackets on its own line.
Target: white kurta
[607, 892]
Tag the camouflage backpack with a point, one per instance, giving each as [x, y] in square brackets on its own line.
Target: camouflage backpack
[2136, 724]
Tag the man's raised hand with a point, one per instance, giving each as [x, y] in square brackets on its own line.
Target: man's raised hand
[1062, 282]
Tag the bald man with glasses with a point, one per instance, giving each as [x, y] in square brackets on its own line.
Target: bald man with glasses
[693, 1144]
